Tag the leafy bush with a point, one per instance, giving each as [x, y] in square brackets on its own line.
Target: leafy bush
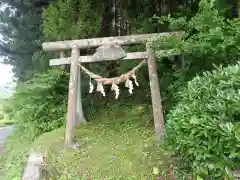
[210, 38]
[203, 131]
[39, 105]
[70, 19]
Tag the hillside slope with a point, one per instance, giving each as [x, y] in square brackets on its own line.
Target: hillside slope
[116, 145]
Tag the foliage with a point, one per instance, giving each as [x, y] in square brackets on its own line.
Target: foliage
[39, 105]
[1, 112]
[21, 36]
[203, 131]
[4, 93]
[210, 38]
[71, 19]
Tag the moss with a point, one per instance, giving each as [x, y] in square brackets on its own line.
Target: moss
[115, 146]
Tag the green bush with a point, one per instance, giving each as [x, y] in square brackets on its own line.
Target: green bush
[1, 116]
[203, 130]
[39, 105]
[210, 38]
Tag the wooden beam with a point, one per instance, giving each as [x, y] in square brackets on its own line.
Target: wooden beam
[96, 42]
[109, 53]
[72, 98]
[88, 59]
[130, 56]
[155, 94]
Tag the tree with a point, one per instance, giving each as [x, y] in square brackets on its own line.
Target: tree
[20, 26]
[238, 8]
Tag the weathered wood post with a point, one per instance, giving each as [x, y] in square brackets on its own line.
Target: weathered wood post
[155, 93]
[72, 97]
[238, 9]
[80, 116]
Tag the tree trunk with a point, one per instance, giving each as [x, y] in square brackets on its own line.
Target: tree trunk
[112, 66]
[164, 7]
[238, 9]
[235, 9]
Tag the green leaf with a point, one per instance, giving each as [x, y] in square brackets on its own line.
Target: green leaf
[195, 120]
[199, 178]
[155, 171]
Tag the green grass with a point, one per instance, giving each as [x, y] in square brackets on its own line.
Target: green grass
[119, 145]
[2, 162]
[4, 122]
[13, 164]
[112, 147]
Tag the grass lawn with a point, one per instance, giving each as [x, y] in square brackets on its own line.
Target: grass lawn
[2, 161]
[114, 146]
[4, 122]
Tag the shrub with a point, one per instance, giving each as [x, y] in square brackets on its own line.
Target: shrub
[203, 130]
[39, 105]
[1, 116]
[210, 38]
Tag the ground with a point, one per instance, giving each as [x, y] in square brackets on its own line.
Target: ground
[116, 144]
[120, 146]
[112, 146]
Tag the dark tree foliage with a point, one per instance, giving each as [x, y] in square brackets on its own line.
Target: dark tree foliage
[21, 30]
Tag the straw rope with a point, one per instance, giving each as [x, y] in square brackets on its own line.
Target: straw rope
[115, 80]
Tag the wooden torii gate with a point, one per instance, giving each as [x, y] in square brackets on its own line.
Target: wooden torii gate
[74, 111]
